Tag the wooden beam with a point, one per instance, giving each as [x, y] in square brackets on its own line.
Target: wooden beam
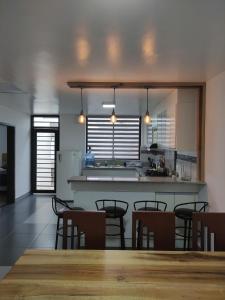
[132, 84]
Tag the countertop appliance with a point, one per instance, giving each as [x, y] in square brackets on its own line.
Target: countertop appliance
[156, 172]
[68, 164]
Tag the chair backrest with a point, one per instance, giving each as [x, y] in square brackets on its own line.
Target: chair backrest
[102, 203]
[91, 223]
[162, 224]
[158, 205]
[215, 223]
[58, 204]
[197, 206]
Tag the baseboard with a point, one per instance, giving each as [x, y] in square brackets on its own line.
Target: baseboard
[23, 196]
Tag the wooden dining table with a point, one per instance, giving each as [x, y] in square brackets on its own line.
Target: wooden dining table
[115, 274]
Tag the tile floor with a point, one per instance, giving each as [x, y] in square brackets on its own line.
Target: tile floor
[29, 223]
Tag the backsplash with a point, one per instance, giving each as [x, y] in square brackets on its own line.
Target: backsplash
[186, 167]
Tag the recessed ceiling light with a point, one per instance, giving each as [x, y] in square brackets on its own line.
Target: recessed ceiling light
[108, 105]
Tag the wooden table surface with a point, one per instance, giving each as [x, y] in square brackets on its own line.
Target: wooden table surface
[90, 274]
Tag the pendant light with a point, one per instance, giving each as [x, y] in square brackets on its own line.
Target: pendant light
[147, 118]
[113, 117]
[81, 118]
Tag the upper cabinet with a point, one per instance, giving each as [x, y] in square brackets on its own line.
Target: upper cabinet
[175, 121]
[187, 121]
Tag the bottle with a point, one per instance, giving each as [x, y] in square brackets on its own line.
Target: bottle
[89, 158]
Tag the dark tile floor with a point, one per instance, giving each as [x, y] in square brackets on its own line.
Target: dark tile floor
[29, 223]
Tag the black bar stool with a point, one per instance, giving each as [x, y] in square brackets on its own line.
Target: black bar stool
[115, 209]
[147, 205]
[150, 205]
[59, 206]
[184, 212]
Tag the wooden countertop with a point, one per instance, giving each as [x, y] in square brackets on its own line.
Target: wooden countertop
[90, 274]
[141, 179]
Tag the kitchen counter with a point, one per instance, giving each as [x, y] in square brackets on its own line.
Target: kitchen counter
[88, 189]
[136, 184]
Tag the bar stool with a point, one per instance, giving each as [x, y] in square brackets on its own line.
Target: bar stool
[147, 205]
[115, 209]
[59, 206]
[150, 205]
[184, 212]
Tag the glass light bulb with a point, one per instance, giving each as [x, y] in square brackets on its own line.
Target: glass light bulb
[81, 118]
[113, 117]
[147, 118]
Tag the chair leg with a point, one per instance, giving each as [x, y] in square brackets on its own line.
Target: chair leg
[72, 236]
[148, 239]
[78, 238]
[122, 239]
[57, 235]
[140, 235]
[185, 234]
[189, 234]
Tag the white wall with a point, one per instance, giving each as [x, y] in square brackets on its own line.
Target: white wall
[21, 121]
[215, 142]
[72, 134]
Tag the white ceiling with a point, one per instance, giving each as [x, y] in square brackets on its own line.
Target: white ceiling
[46, 43]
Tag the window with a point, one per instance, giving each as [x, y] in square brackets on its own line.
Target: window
[46, 122]
[119, 141]
[45, 143]
[162, 131]
[150, 134]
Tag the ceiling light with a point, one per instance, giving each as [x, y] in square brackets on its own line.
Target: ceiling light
[113, 117]
[147, 118]
[81, 118]
[108, 105]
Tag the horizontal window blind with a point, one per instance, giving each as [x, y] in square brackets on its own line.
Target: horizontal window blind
[119, 141]
[45, 122]
[149, 134]
[166, 131]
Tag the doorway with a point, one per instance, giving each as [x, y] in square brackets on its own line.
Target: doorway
[45, 144]
[7, 164]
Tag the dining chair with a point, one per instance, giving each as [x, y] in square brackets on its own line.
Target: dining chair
[90, 223]
[208, 230]
[161, 224]
[148, 205]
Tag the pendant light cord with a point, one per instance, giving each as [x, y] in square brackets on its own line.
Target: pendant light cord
[81, 98]
[147, 99]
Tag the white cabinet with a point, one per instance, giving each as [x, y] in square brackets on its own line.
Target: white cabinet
[168, 198]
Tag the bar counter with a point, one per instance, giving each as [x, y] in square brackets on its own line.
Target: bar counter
[134, 184]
